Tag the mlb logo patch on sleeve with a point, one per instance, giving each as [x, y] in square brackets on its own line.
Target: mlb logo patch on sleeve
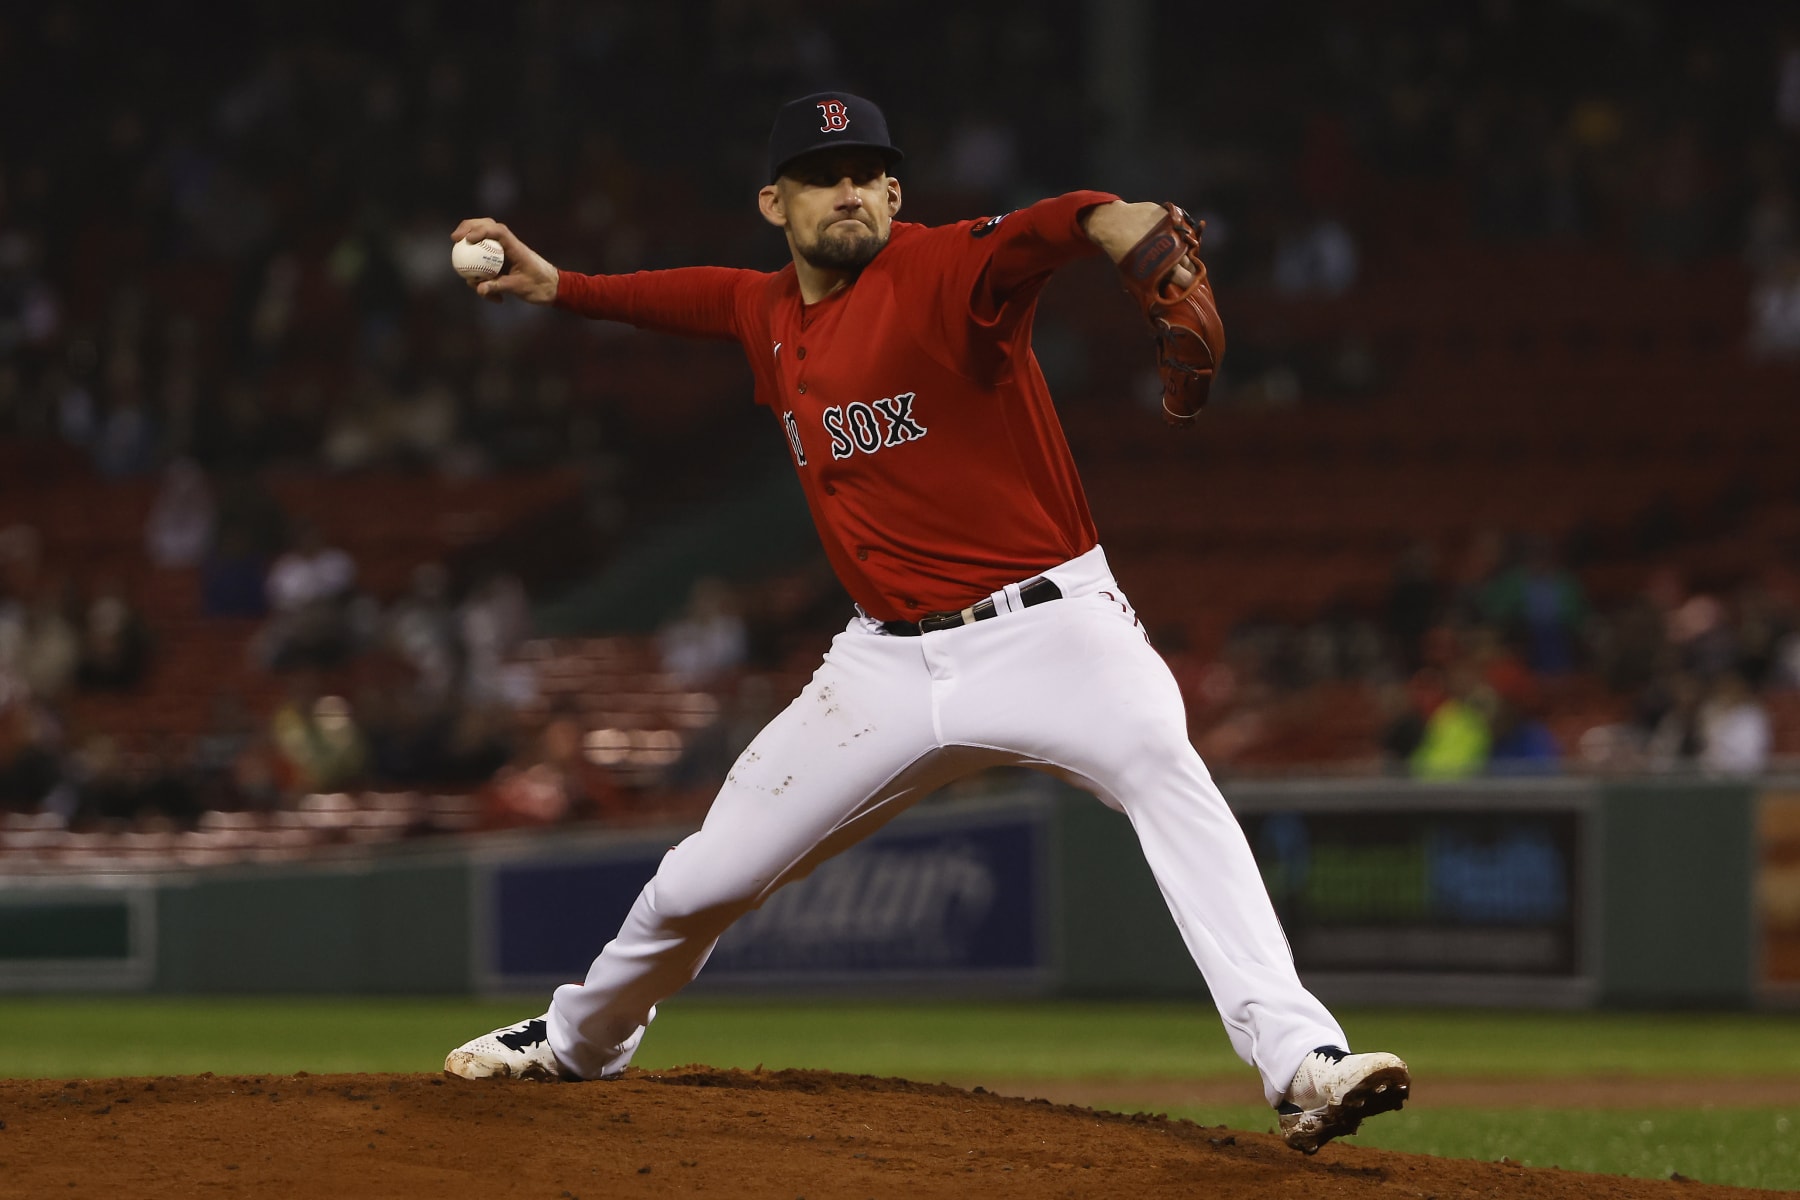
[983, 228]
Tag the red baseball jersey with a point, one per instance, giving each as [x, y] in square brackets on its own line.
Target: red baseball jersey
[920, 426]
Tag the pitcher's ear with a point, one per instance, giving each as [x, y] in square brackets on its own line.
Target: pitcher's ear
[769, 203]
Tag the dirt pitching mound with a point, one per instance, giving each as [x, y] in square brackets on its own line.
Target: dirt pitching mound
[759, 1134]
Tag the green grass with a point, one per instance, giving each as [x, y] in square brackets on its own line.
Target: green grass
[97, 1037]
[1180, 1041]
[1740, 1147]
[67, 1037]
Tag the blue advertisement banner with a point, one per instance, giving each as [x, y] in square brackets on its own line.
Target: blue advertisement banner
[1425, 890]
[938, 896]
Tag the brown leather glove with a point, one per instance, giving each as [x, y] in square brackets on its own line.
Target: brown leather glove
[1184, 320]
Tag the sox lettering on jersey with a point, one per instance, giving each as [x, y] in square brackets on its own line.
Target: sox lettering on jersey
[901, 426]
[857, 426]
[837, 118]
[793, 436]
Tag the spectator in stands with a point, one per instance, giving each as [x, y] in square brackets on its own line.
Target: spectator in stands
[1458, 734]
[1630, 644]
[478, 744]
[407, 732]
[422, 424]
[358, 434]
[1316, 256]
[1401, 727]
[320, 745]
[179, 532]
[422, 630]
[214, 761]
[1677, 737]
[145, 785]
[70, 408]
[1775, 312]
[115, 642]
[127, 438]
[1700, 630]
[1499, 668]
[554, 782]
[309, 589]
[164, 784]
[1541, 606]
[1735, 731]
[1412, 603]
[102, 782]
[31, 766]
[29, 312]
[708, 639]
[1522, 743]
[251, 528]
[494, 620]
[234, 578]
[1764, 621]
[256, 777]
[1784, 667]
[1483, 560]
[50, 657]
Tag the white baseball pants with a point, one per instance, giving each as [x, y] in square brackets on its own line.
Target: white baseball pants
[1072, 687]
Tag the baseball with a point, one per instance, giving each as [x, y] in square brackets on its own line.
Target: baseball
[476, 261]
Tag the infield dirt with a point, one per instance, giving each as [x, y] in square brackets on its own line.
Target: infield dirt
[756, 1134]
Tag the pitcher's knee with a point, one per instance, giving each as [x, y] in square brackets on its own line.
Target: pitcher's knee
[691, 901]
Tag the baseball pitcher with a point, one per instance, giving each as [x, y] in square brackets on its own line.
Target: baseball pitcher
[896, 359]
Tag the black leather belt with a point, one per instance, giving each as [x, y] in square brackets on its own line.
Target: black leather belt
[1038, 591]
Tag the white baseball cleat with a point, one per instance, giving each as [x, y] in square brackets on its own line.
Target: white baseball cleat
[519, 1051]
[1334, 1090]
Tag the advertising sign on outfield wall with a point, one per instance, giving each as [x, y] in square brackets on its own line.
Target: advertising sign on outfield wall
[77, 934]
[1467, 895]
[944, 894]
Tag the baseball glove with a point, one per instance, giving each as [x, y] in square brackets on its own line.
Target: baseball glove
[1184, 320]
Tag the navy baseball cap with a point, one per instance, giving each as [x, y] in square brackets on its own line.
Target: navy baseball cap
[827, 121]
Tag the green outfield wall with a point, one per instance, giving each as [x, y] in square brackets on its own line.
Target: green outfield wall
[1562, 893]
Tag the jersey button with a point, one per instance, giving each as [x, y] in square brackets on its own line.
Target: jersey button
[830, 491]
[862, 553]
[803, 389]
[800, 352]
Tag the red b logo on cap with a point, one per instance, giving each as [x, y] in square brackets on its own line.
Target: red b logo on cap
[836, 119]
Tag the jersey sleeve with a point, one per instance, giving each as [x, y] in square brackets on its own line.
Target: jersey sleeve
[1023, 247]
[691, 301]
[992, 270]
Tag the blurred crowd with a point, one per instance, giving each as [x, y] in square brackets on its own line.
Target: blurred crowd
[431, 675]
[1467, 671]
[224, 257]
[234, 247]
